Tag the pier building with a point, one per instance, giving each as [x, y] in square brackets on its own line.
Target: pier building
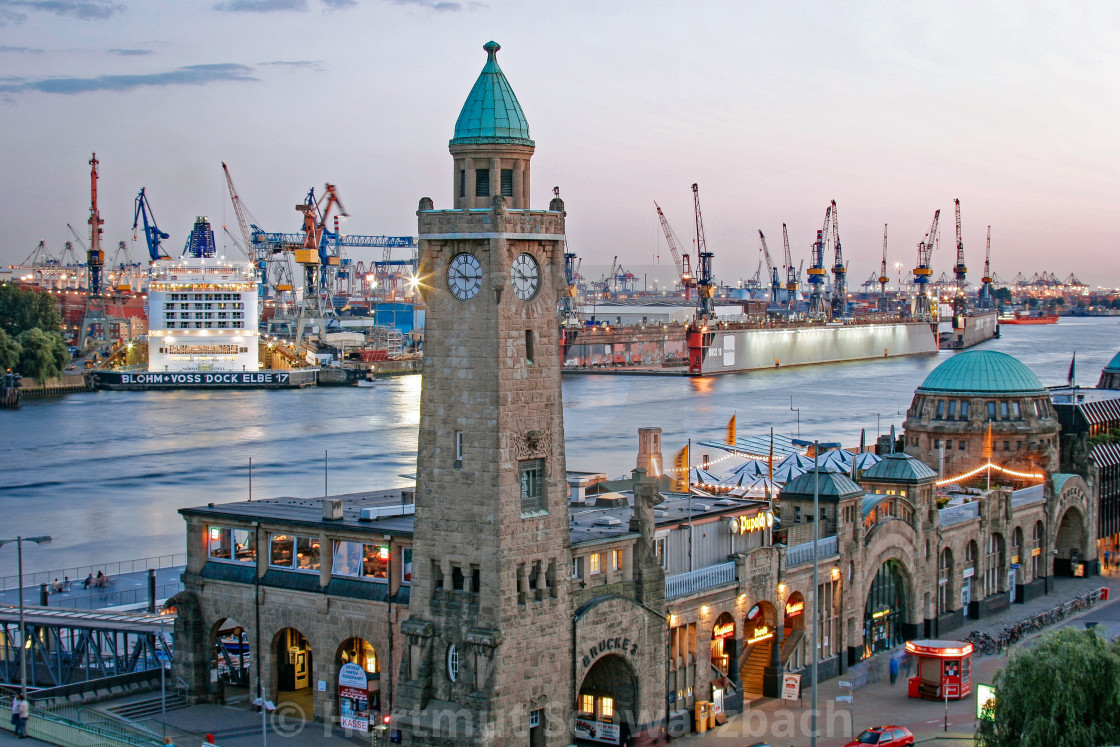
[504, 600]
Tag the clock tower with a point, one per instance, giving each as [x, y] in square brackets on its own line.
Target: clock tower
[488, 659]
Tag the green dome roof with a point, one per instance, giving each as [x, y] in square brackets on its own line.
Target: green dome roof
[1114, 364]
[899, 467]
[982, 372]
[830, 486]
[491, 112]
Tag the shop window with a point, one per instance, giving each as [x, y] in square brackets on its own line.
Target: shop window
[482, 182]
[531, 475]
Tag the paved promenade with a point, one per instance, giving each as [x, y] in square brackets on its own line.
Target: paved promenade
[123, 589]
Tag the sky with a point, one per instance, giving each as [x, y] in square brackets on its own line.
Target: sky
[773, 107]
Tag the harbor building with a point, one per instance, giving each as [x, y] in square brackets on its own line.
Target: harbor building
[504, 600]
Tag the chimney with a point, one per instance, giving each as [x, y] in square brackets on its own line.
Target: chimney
[332, 509]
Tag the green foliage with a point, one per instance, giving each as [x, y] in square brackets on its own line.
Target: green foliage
[1108, 437]
[1064, 691]
[43, 354]
[21, 310]
[9, 351]
[1003, 295]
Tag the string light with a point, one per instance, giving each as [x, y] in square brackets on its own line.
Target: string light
[990, 465]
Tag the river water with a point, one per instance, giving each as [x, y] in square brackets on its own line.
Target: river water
[106, 472]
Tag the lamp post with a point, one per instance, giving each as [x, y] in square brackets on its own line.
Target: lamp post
[41, 540]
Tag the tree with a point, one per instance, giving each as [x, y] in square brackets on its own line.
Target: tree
[21, 310]
[9, 351]
[43, 354]
[1064, 691]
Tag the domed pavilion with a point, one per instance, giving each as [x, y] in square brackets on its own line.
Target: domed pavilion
[981, 405]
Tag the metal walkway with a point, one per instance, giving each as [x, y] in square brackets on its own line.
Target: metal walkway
[65, 647]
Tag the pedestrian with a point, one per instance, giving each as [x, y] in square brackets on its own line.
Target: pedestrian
[88, 581]
[168, 742]
[20, 713]
[1107, 558]
[894, 669]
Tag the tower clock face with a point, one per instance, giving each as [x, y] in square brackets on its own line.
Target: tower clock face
[526, 276]
[464, 276]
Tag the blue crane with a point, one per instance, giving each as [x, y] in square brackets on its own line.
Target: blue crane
[152, 234]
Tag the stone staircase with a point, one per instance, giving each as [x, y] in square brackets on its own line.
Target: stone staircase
[754, 667]
[137, 710]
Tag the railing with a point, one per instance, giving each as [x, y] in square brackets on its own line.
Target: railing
[683, 584]
[1027, 496]
[109, 569]
[947, 517]
[57, 729]
[803, 553]
[104, 599]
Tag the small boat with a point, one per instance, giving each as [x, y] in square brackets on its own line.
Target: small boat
[1028, 317]
[367, 382]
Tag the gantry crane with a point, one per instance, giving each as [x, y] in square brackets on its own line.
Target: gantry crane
[95, 324]
[816, 270]
[771, 271]
[791, 274]
[705, 284]
[258, 255]
[839, 271]
[986, 289]
[152, 235]
[923, 271]
[960, 302]
[883, 277]
[680, 259]
[316, 258]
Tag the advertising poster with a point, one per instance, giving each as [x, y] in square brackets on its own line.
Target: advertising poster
[791, 686]
[597, 731]
[353, 698]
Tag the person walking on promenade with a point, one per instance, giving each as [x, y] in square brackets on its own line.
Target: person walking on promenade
[894, 669]
[1107, 558]
[20, 713]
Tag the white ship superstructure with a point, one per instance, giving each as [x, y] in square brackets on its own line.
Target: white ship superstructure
[202, 315]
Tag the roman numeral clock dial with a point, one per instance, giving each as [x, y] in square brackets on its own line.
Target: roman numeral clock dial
[526, 276]
[464, 276]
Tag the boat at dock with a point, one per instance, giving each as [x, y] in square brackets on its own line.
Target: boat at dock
[1021, 316]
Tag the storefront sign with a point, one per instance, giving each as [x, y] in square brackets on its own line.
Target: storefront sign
[754, 523]
[353, 697]
[240, 378]
[791, 686]
[761, 633]
[724, 630]
[753, 612]
[880, 614]
[625, 645]
[597, 731]
[968, 573]
[1036, 552]
[793, 609]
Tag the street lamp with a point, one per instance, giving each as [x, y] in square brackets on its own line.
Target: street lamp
[42, 540]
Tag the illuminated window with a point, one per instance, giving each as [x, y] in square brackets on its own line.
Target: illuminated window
[587, 705]
[616, 559]
[360, 560]
[594, 563]
[606, 708]
[406, 565]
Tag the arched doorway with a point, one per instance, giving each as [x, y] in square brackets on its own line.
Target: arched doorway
[1070, 544]
[358, 673]
[230, 660]
[607, 703]
[888, 601]
[793, 632]
[292, 669]
[725, 660]
[758, 640]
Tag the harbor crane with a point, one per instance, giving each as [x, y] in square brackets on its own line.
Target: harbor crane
[261, 257]
[792, 275]
[923, 271]
[680, 259]
[986, 289]
[816, 270]
[152, 235]
[704, 283]
[316, 257]
[839, 270]
[771, 271]
[960, 301]
[95, 323]
[883, 277]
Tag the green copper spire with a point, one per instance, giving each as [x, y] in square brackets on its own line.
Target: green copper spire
[491, 113]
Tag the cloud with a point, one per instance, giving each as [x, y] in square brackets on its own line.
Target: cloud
[129, 52]
[442, 6]
[15, 11]
[22, 50]
[192, 75]
[268, 6]
[315, 65]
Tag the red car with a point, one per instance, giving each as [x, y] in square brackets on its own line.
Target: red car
[895, 736]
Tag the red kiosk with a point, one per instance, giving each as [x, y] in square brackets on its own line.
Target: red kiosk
[944, 669]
